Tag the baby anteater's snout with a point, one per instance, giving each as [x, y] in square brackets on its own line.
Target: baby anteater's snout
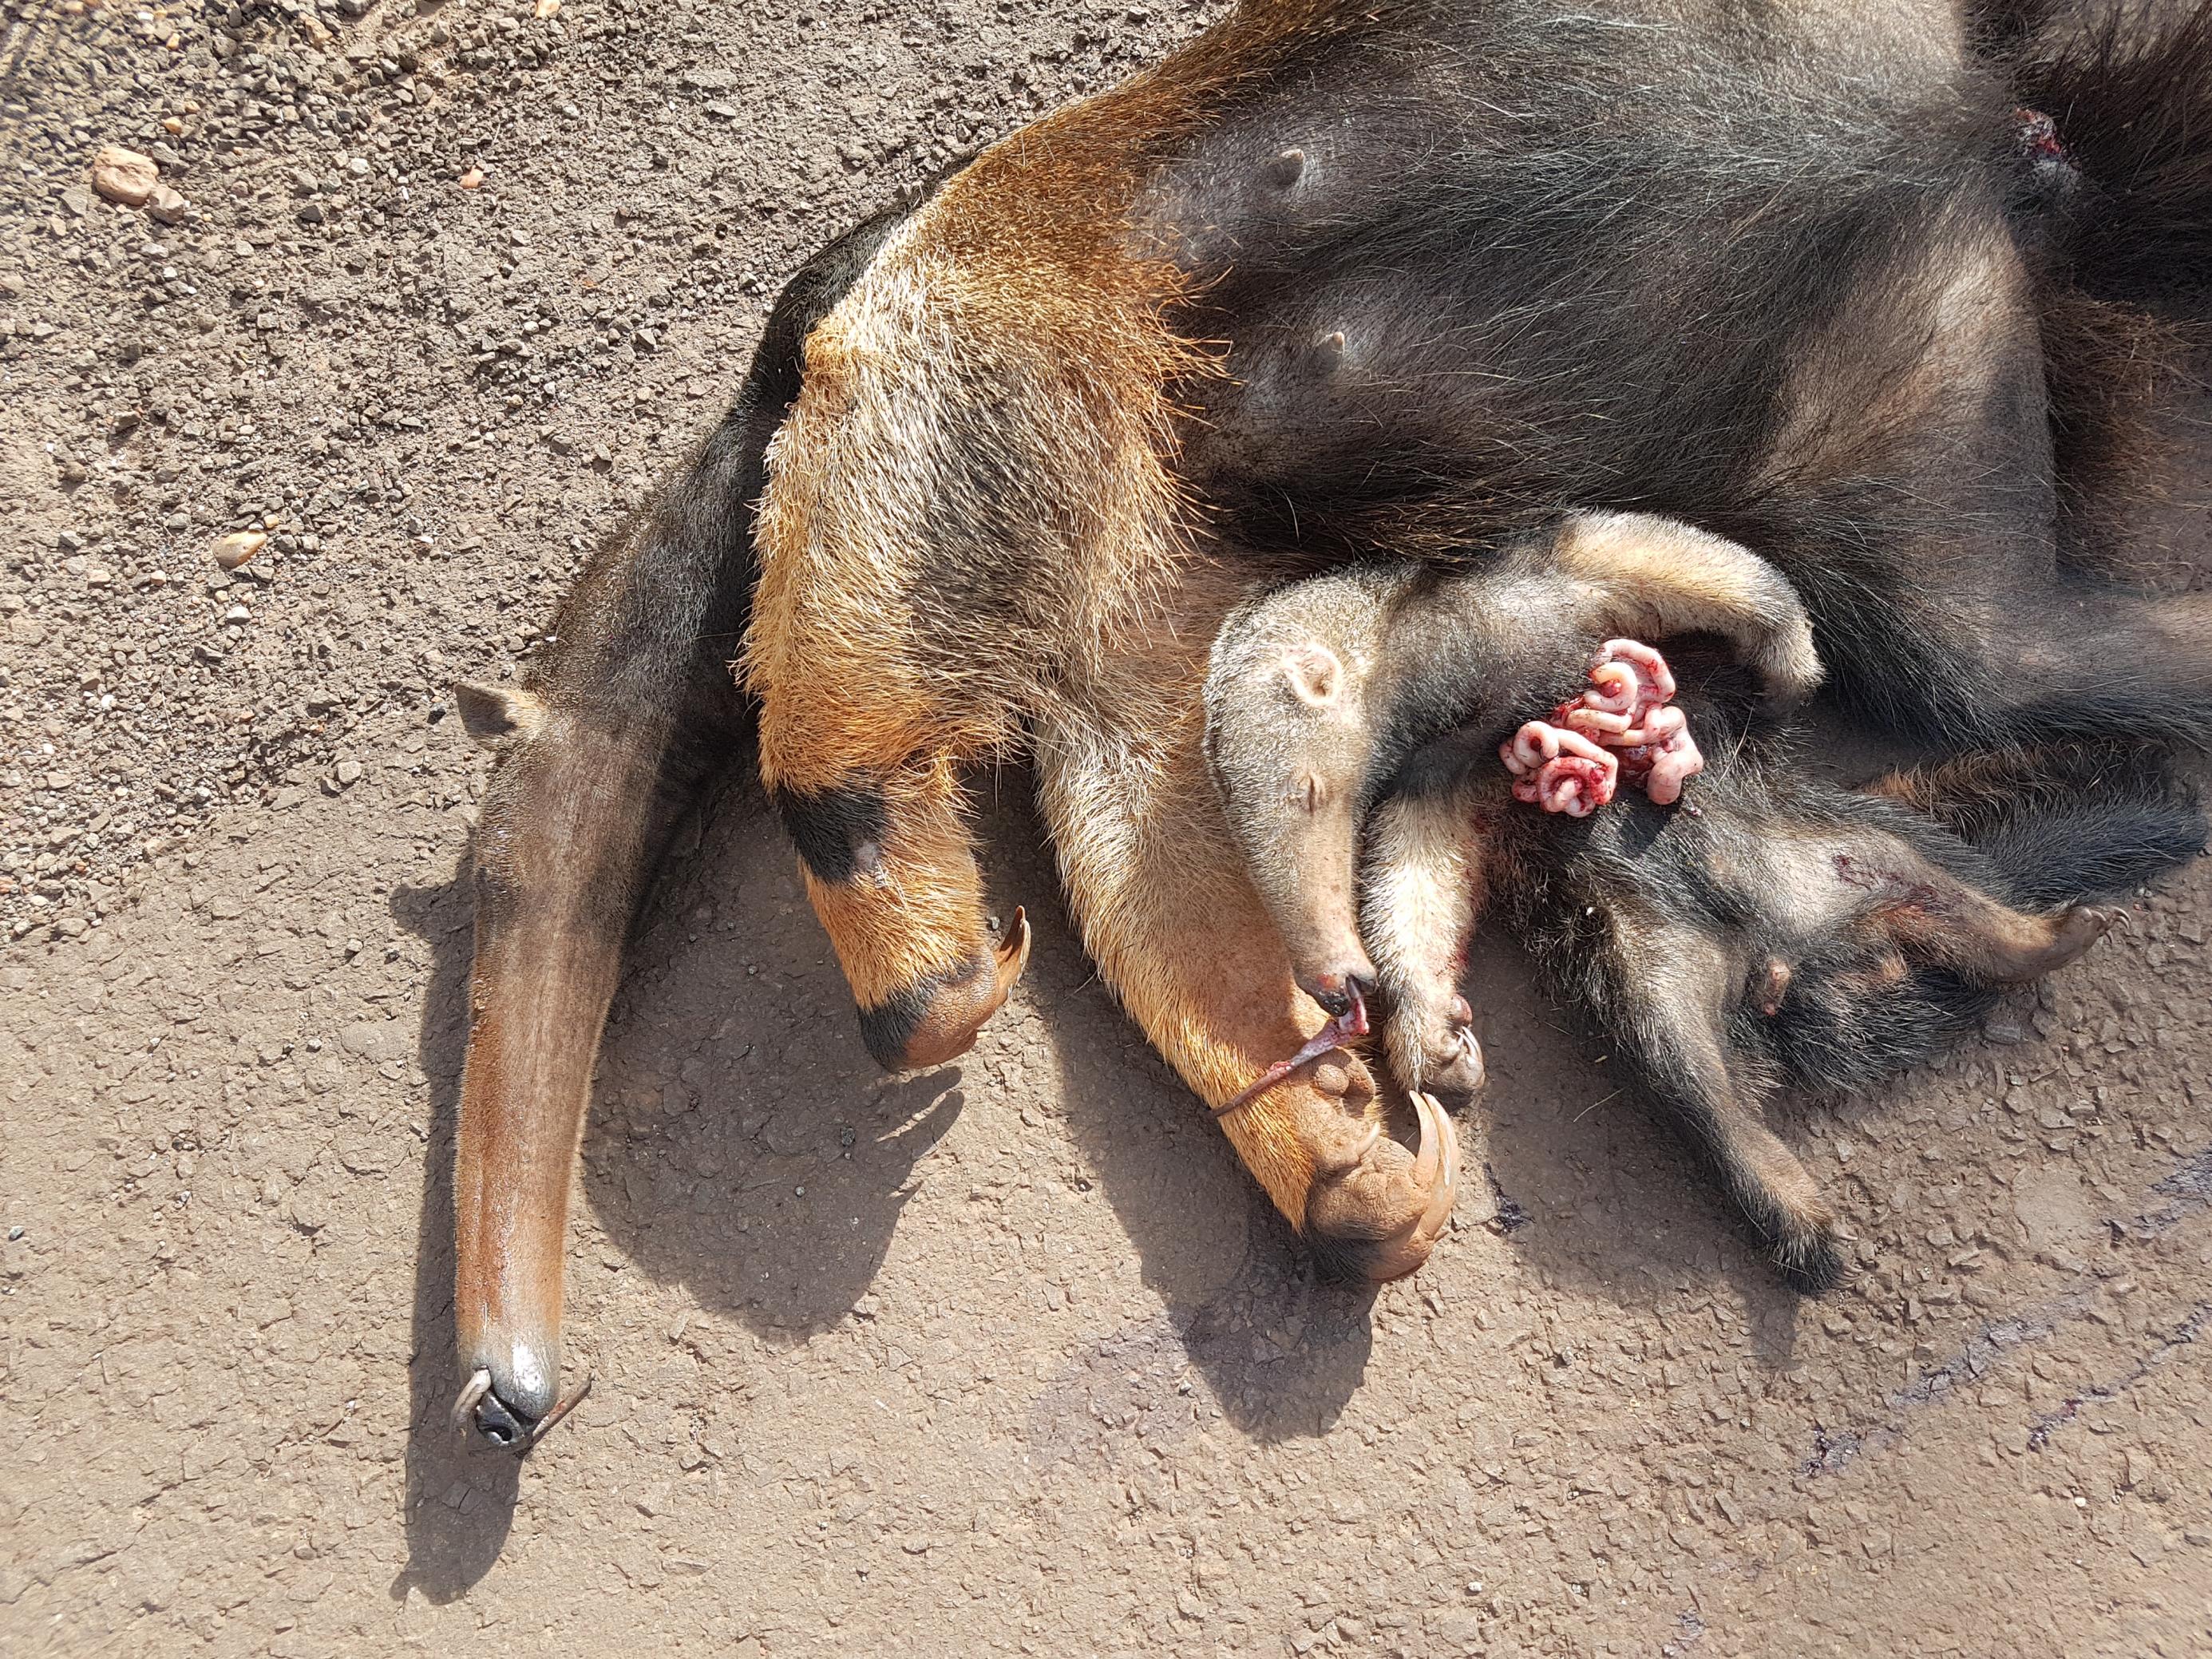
[1338, 989]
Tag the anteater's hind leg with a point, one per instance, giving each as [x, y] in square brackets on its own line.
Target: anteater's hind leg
[1914, 502]
[1167, 911]
[1675, 988]
[1936, 917]
[1420, 885]
[2084, 657]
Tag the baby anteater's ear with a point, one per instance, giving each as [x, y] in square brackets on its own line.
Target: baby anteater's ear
[1313, 673]
[497, 717]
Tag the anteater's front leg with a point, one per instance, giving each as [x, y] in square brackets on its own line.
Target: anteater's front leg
[888, 860]
[1165, 907]
[1421, 879]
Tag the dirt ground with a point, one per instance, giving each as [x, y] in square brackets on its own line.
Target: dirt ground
[1008, 1357]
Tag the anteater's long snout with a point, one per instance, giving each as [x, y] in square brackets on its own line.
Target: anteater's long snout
[522, 1112]
[509, 1414]
[570, 819]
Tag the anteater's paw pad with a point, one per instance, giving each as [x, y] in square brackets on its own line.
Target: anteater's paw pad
[1378, 1215]
[2078, 929]
[1455, 1068]
[1813, 1260]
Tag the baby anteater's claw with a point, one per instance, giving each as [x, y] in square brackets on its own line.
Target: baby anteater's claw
[1463, 1071]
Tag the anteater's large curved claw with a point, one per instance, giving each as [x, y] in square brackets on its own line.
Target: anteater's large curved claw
[1378, 1215]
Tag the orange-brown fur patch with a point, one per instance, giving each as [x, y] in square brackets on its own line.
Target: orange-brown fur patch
[1165, 904]
[1026, 277]
[925, 916]
[1025, 305]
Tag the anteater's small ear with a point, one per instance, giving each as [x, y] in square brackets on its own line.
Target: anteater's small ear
[1313, 673]
[497, 716]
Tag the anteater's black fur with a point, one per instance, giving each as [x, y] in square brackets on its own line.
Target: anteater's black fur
[1604, 903]
[1648, 268]
[1684, 257]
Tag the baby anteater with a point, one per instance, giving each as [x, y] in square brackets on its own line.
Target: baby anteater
[1325, 696]
[1785, 931]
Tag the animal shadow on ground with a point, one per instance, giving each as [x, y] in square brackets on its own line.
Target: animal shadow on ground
[735, 1121]
[1281, 1350]
[743, 1142]
[1594, 1193]
[461, 1501]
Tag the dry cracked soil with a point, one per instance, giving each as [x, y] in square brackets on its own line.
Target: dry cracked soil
[1009, 1356]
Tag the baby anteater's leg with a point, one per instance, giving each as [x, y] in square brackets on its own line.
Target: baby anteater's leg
[1655, 577]
[1420, 886]
[1166, 908]
[1676, 987]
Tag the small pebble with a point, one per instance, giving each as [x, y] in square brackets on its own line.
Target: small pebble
[235, 548]
[125, 176]
[168, 205]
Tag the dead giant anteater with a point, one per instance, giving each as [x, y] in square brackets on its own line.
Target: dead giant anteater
[1339, 277]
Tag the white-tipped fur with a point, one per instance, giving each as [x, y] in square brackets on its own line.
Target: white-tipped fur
[1688, 583]
[1419, 884]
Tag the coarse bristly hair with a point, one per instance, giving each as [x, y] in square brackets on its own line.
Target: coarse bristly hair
[2125, 244]
[1339, 275]
[1774, 306]
[1640, 920]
